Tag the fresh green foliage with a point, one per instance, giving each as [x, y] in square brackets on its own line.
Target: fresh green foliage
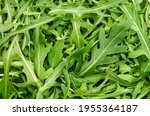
[74, 49]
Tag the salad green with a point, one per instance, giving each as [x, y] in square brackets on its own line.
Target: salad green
[74, 49]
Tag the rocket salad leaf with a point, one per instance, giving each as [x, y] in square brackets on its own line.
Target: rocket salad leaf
[74, 49]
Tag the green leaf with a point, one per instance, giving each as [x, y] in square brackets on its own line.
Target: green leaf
[9, 10]
[132, 15]
[67, 87]
[143, 93]
[124, 68]
[51, 79]
[107, 5]
[147, 15]
[23, 8]
[76, 49]
[7, 62]
[41, 51]
[55, 55]
[76, 35]
[137, 89]
[119, 91]
[117, 33]
[28, 67]
[6, 27]
[145, 66]
[128, 78]
[36, 23]
[136, 53]
[115, 78]
[81, 90]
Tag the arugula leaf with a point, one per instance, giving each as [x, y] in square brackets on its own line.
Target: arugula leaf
[106, 5]
[28, 67]
[7, 62]
[116, 34]
[21, 10]
[51, 80]
[40, 53]
[9, 11]
[76, 49]
[55, 55]
[76, 35]
[36, 23]
[136, 26]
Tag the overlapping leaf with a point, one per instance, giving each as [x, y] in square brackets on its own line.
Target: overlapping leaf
[145, 41]
[74, 49]
[40, 53]
[107, 46]
[28, 68]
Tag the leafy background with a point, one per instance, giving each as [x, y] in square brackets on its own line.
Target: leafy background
[75, 49]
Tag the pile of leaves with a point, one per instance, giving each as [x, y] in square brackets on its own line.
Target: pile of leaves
[75, 49]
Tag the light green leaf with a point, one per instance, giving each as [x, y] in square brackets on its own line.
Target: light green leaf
[4, 27]
[147, 14]
[28, 67]
[7, 62]
[129, 78]
[76, 35]
[124, 68]
[55, 55]
[41, 51]
[137, 89]
[9, 10]
[66, 87]
[23, 8]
